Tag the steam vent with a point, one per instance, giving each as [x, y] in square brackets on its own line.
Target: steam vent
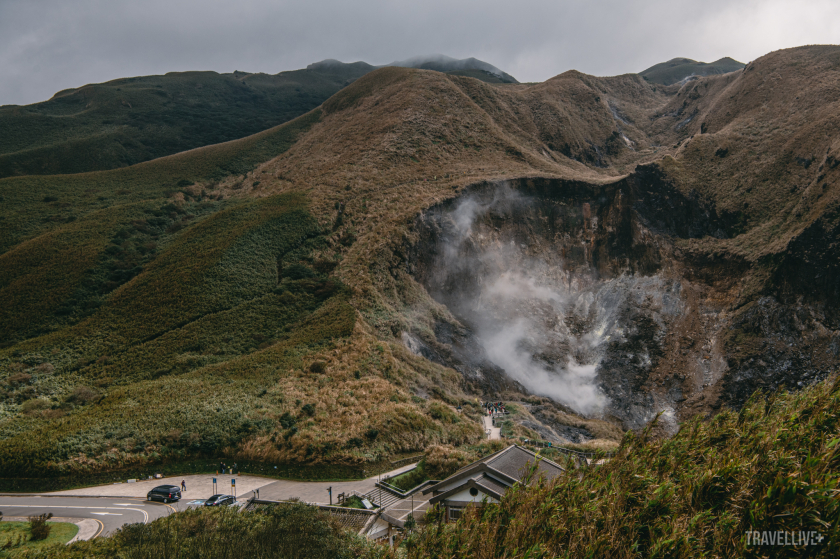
[580, 293]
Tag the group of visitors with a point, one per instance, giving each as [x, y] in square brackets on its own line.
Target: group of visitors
[224, 468]
[494, 407]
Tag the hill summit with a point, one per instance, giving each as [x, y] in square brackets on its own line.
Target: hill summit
[465, 67]
[678, 69]
[131, 120]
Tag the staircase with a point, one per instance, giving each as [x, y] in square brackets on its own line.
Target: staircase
[388, 498]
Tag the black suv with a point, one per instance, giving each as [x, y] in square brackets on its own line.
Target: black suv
[164, 493]
[220, 501]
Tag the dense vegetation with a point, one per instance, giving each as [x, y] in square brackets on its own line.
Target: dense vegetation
[771, 466]
[39, 204]
[130, 120]
[290, 531]
[152, 320]
[142, 345]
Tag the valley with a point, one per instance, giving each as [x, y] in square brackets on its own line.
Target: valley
[323, 293]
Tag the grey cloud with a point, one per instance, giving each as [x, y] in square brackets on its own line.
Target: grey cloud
[49, 45]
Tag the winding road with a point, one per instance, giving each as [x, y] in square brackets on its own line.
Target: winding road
[114, 505]
[110, 514]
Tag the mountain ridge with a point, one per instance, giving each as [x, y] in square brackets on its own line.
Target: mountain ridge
[614, 167]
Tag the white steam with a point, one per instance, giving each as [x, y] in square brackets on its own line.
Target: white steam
[523, 306]
[571, 383]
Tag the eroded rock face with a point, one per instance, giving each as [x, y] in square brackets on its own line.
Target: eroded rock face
[580, 293]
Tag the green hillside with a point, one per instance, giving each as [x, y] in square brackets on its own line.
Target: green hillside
[137, 305]
[772, 466]
[130, 120]
[37, 204]
[146, 278]
[677, 69]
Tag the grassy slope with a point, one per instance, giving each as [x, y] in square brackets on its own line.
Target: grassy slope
[60, 534]
[130, 120]
[170, 306]
[771, 466]
[677, 69]
[755, 158]
[387, 147]
[37, 204]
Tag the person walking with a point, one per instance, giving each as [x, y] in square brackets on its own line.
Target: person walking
[184, 485]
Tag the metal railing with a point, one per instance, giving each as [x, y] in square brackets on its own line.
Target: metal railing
[564, 450]
[407, 493]
[404, 461]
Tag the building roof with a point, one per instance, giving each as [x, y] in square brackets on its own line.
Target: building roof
[514, 459]
[497, 472]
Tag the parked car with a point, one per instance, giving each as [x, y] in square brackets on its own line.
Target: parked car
[220, 501]
[164, 493]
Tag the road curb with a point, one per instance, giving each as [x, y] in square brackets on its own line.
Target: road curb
[51, 495]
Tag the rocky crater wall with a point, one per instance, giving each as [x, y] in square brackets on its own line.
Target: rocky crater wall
[577, 292]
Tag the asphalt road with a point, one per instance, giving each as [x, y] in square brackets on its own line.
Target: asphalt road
[110, 513]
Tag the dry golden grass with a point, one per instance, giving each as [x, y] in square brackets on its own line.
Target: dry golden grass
[399, 140]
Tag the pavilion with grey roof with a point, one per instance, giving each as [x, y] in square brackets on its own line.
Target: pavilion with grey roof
[486, 480]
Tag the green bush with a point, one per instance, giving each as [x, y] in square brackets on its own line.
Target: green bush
[38, 527]
[36, 404]
[285, 531]
[442, 412]
[410, 479]
[318, 367]
[83, 395]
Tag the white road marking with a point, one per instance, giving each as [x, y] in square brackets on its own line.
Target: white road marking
[108, 513]
[141, 511]
[128, 505]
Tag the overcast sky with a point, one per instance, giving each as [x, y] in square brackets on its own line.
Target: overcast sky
[49, 45]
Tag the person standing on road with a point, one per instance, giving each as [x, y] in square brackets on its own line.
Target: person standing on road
[184, 485]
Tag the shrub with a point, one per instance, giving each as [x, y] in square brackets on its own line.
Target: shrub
[772, 467]
[83, 395]
[410, 479]
[297, 272]
[288, 530]
[317, 367]
[45, 369]
[441, 461]
[287, 420]
[324, 266]
[443, 413]
[308, 409]
[38, 527]
[34, 405]
[354, 442]
[19, 378]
